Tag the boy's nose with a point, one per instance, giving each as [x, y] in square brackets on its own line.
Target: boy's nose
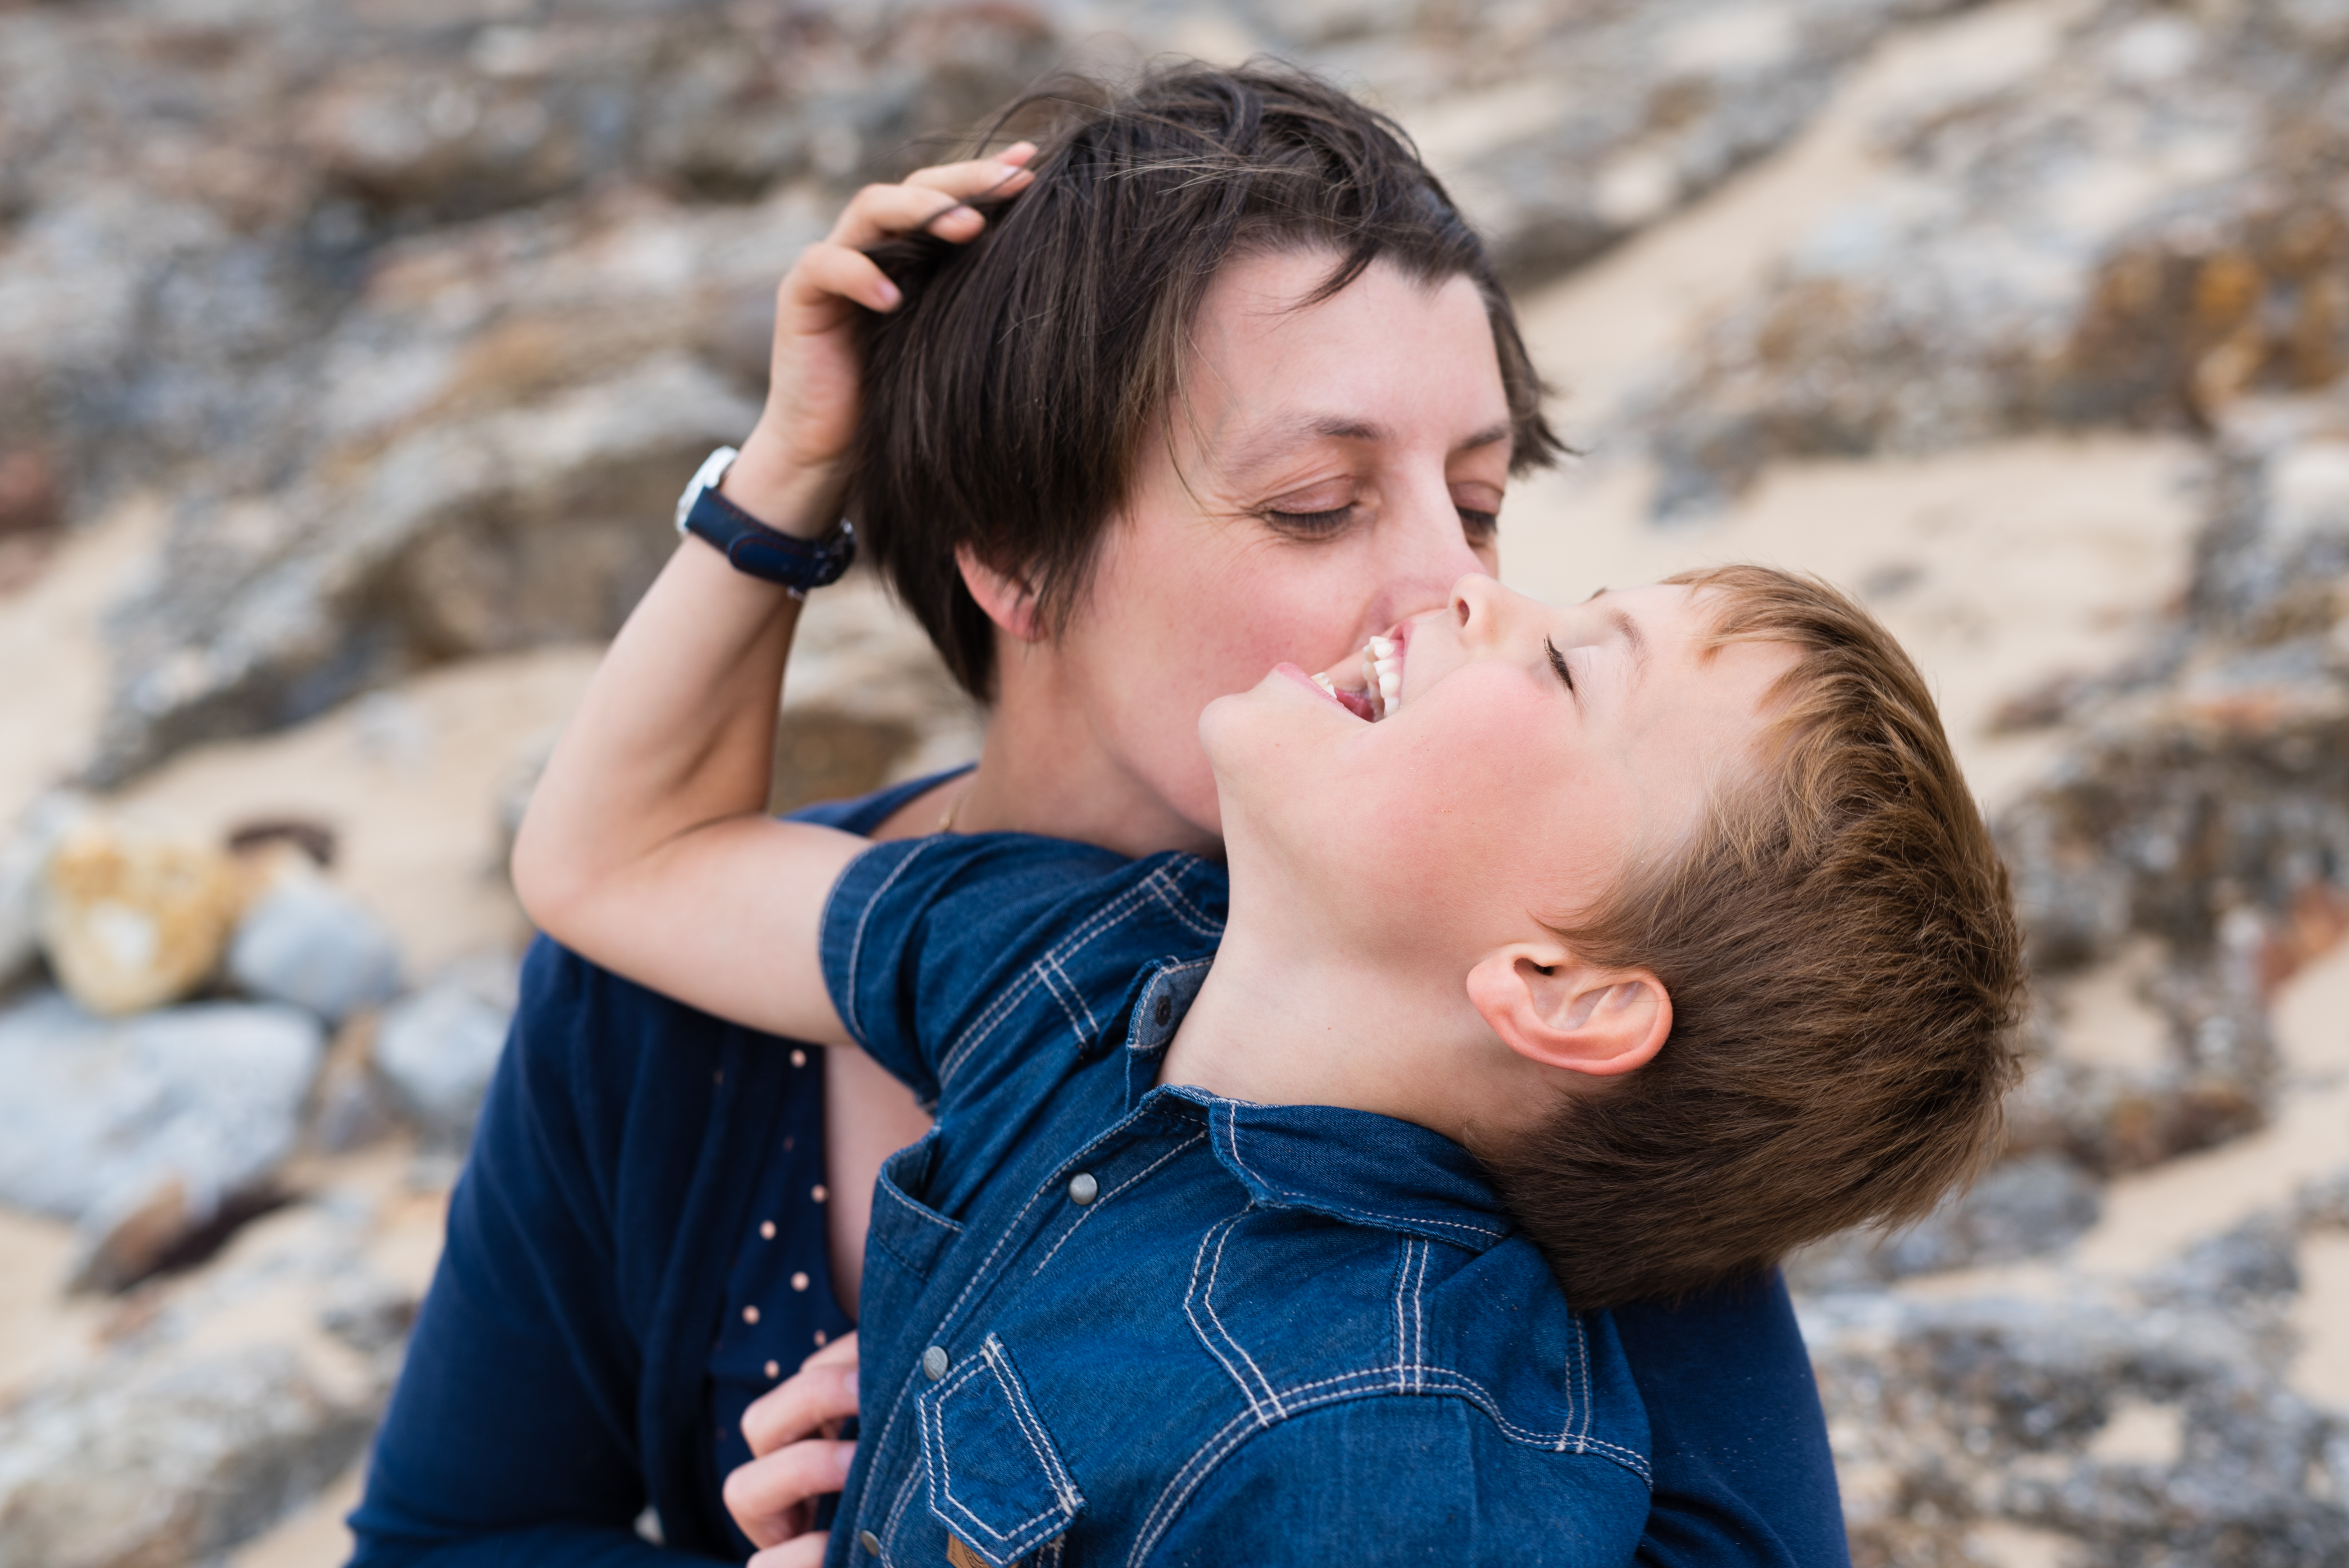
[1479, 606]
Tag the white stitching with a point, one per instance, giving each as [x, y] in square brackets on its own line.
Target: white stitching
[1208, 1300]
[1013, 1227]
[1102, 920]
[1102, 1200]
[891, 1190]
[1232, 1141]
[1063, 991]
[1031, 1426]
[1183, 1483]
[1402, 1278]
[1191, 1300]
[863, 918]
[1168, 881]
[932, 1417]
[1419, 1313]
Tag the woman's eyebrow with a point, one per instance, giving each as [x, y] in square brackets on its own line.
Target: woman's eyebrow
[1262, 447]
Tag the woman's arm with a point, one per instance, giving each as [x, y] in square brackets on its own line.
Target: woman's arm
[646, 846]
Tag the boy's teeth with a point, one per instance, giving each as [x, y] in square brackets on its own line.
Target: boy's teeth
[1326, 684]
[1381, 675]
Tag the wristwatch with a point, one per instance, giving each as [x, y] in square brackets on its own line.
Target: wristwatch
[753, 548]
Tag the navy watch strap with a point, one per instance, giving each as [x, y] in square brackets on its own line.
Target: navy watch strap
[763, 552]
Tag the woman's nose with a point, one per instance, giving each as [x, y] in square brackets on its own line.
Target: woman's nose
[1434, 539]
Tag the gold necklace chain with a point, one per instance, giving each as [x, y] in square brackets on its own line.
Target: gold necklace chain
[946, 817]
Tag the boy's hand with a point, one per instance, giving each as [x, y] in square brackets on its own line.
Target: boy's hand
[797, 1460]
[789, 474]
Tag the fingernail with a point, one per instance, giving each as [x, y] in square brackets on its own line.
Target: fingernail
[844, 1454]
[848, 1383]
[891, 296]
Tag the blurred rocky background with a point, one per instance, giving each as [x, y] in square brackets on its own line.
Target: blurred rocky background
[352, 352]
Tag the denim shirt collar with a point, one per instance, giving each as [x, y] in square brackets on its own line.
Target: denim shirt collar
[1355, 1166]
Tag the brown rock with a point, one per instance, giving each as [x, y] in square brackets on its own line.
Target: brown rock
[132, 919]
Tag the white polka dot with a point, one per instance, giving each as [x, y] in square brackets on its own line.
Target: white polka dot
[766, 1230]
[818, 1192]
[819, 1338]
[775, 1369]
[750, 1314]
[799, 1058]
[799, 1281]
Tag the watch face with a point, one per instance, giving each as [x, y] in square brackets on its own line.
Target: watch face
[713, 469]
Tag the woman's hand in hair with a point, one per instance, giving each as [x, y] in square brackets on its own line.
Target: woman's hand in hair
[797, 1460]
[789, 474]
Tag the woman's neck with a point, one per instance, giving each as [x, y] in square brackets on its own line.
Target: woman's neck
[1041, 771]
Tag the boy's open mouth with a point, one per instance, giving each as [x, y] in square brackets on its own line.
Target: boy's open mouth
[1381, 691]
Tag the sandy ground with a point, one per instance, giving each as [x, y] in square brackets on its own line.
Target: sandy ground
[2002, 567]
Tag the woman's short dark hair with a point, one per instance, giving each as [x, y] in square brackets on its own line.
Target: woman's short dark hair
[1007, 401]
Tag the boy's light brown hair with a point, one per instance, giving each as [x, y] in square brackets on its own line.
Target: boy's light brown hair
[1846, 970]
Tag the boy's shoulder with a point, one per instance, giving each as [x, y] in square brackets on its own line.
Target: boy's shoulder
[1325, 1337]
[935, 948]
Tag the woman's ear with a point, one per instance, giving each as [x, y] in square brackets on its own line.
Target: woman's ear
[1008, 602]
[1550, 1007]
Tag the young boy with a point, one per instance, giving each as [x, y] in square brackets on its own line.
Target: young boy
[1632, 944]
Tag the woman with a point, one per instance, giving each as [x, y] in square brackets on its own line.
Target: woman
[1101, 451]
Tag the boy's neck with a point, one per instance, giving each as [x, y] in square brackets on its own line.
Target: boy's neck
[1282, 1021]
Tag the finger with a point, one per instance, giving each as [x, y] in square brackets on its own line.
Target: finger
[765, 1495]
[879, 212]
[1000, 174]
[799, 1405]
[805, 1551]
[931, 199]
[827, 273]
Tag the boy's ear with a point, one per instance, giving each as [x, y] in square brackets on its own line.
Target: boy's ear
[1549, 1007]
[1008, 602]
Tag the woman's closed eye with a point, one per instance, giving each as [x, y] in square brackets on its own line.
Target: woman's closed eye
[1316, 525]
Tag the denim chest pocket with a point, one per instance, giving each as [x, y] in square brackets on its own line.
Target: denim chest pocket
[996, 1484]
[906, 1237]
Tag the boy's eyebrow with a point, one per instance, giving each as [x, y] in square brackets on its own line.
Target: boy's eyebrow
[1635, 638]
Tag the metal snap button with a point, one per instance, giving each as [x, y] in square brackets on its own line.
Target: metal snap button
[1164, 1011]
[935, 1363]
[1083, 1188]
[870, 1542]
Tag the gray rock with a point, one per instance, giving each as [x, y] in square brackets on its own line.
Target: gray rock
[2256, 1262]
[101, 1113]
[2203, 800]
[438, 1047]
[308, 944]
[148, 1462]
[2137, 235]
[24, 855]
[2161, 1436]
[1643, 110]
[475, 536]
[2026, 1208]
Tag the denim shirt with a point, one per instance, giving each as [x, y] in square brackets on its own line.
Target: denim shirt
[1109, 1321]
